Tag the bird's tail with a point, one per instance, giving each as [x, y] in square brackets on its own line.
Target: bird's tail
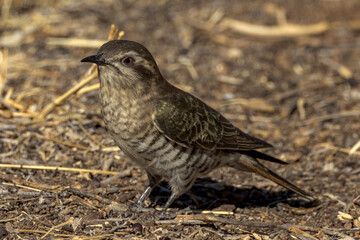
[253, 165]
[263, 156]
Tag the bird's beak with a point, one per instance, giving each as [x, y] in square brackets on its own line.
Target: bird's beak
[98, 59]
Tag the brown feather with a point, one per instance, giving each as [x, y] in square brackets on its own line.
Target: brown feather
[188, 121]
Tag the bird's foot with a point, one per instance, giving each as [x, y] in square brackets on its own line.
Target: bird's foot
[163, 215]
[137, 208]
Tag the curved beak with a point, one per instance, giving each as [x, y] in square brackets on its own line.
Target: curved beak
[98, 59]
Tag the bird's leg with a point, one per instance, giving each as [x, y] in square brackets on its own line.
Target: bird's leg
[172, 198]
[153, 182]
[140, 201]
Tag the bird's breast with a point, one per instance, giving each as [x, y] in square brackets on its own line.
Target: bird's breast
[123, 115]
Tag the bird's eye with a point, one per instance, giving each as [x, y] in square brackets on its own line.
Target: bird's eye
[127, 61]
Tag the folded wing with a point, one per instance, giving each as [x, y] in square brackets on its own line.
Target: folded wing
[190, 122]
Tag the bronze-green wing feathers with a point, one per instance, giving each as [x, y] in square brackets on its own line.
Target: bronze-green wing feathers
[190, 122]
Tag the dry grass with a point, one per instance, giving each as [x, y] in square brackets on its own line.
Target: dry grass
[286, 72]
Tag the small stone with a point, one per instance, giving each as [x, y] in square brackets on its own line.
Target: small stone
[3, 232]
[302, 141]
[347, 225]
[164, 238]
[357, 222]
[137, 227]
[344, 216]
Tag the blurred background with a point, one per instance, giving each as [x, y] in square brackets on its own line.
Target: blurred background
[283, 71]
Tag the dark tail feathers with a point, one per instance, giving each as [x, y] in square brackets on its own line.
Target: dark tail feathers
[263, 156]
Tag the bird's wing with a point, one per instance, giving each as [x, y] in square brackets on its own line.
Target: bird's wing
[190, 122]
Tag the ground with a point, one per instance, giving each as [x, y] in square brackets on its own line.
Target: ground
[297, 89]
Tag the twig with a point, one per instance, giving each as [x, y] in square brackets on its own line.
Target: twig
[87, 89]
[355, 148]
[7, 126]
[125, 173]
[239, 117]
[312, 87]
[82, 193]
[300, 211]
[73, 145]
[35, 193]
[5, 10]
[11, 219]
[220, 235]
[189, 66]
[110, 149]
[9, 114]
[51, 106]
[299, 231]
[85, 43]
[56, 120]
[28, 93]
[284, 30]
[9, 93]
[301, 108]
[205, 219]
[75, 42]
[40, 231]
[7, 154]
[12, 104]
[68, 222]
[55, 168]
[3, 69]
[329, 117]
[114, 34]
[103, 236]
[213, 212]
[340, 149]
[7, 105]
[252, 103]
[22, 186]
[33, 186]
[344, 71]
[88, 135]
[15, 38]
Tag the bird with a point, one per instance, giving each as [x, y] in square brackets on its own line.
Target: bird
[171, 134]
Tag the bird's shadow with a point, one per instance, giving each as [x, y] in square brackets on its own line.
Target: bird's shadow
[207, 194]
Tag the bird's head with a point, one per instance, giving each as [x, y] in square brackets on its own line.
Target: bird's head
[125, 63]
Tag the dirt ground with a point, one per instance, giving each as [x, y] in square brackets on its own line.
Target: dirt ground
[290, 78]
